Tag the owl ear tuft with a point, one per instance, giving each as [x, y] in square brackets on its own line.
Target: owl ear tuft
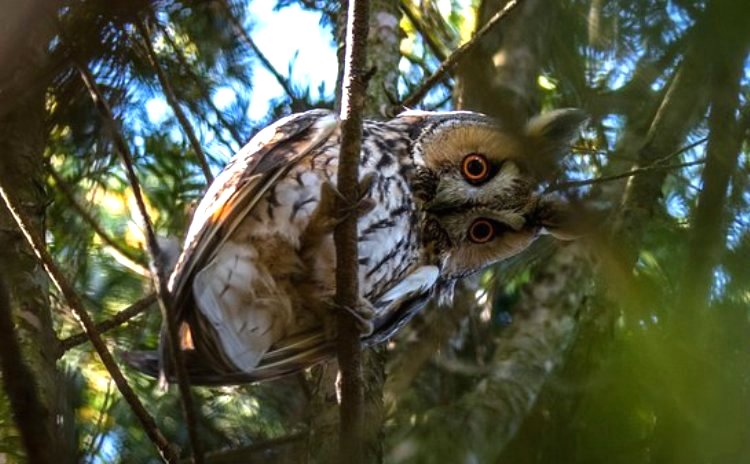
[549, 135]
[556, 128]
[559, 219]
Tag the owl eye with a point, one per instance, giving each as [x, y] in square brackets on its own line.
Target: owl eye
[481, 231]
[475, 168]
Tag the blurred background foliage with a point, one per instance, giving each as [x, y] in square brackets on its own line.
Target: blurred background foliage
[652, 361]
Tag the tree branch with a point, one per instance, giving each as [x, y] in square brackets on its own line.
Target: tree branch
[157, 273]
[345, 234]
[448, 65]
[708, 231]
[257, 452]
[488, 416]
[237, 26]
[438, 328]
[115, 321]
[135, 262]
[623, 175]
[168, 453]
[437, 49]
[173, 101]
[199, 83]
[21, 387]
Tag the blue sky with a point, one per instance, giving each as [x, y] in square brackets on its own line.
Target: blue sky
[315, 61]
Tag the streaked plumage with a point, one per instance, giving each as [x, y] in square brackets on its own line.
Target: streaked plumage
[255, 281]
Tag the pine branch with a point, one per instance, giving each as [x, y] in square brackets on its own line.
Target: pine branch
[113, 322]
[345, 235]
[135, 262]
[168, 453]
[199, 83]
[174, 103]
[157, 273]
[21, 388]
[449, 63]
[436, 48]
[237, 26]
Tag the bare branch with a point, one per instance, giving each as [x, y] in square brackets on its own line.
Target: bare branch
[136, 263]
[345, 235]
[21, 388]
[623, 175]
[173, 101]
[168, 453]
[157, 273]
[113, 322]
[448, 65]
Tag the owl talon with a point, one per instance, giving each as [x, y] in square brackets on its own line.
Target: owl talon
[327, 204]
[364, 313]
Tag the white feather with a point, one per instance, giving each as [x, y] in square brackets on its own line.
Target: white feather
[419, 281]
[240, 300]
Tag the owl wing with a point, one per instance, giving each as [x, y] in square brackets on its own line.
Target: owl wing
[399, 304]
[242, 183]
[403, 301]
[247, 176]
[229, 199]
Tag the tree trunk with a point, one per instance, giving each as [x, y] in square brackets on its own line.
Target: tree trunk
[25, 32]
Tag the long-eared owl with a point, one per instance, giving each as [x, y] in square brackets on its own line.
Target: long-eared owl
[446, 195]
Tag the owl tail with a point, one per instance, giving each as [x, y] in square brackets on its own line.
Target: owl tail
[293, 355]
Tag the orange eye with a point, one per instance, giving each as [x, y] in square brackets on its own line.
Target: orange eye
[475, 168]
[481, 231]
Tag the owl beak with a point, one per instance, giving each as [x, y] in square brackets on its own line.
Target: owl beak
[442, 203]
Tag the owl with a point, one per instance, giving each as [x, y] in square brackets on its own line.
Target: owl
[443, 196]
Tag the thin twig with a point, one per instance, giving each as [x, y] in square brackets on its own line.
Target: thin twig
[166, 86]
[135, 262]
[283, 82]
[97, 438]
[157, 273]
[351, 410]
[115, 321]
[20, 387]
[262, 451]
[622, 175]
[682, 150]
[168, 453]
[450, 62]
[199, 83]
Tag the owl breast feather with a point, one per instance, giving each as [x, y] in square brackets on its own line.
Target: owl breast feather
[263, 285]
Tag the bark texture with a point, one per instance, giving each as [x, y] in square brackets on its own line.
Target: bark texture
[25, 31]
[382, 67]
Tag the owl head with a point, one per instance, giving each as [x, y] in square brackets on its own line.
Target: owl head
[477, 184]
